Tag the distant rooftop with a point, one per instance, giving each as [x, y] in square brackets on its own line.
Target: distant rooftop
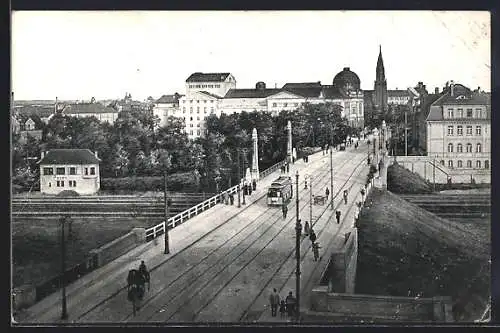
[207, 77]
[69, 156]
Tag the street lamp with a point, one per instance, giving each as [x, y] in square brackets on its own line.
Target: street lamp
[167, 247]
[309, 178]
[331, 176]
[298, 229]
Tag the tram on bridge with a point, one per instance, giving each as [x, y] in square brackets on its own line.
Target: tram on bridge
[280, 192]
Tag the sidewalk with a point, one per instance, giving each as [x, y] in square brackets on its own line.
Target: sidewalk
[105, 282]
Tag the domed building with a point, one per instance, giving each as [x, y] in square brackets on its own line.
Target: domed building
[347, 80]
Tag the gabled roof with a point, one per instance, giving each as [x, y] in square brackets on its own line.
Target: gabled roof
[474, 99]
[398, 93]
[69, 156]
[169, 99]
[300, 85]
[250, 93]
[87, 108]
[41, 111]
[207, 77]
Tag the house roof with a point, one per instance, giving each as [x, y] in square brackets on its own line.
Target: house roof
[251, 93]
[332, 92]
[69, 156]
[308, 92]
[473, 99]
[207, 77]
[169, 99]
[398, 93]
[295, 85]
[41, 111]
[87, 108]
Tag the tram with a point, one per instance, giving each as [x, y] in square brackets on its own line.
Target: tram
[280, 192]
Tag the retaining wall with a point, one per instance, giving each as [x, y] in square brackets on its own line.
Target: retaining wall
[119, 246]
[342, 265]
[382, 307]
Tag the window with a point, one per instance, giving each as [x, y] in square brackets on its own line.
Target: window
[469, 147]
[86, 171]
[198, 109]
[198, 118]
[450, 130]
[469, 113]
[450, 164]
[191, 101]
[486, 166]
[198, 125]
[50, 184]
[296, 104]
[205, 117]
[205, 101]
[460, 130]
[48, 171]
[459, 148]
[191, 118]
[184, 110]
[442, 162]
[198, 132]
[450, 113]
[212, 110]
[478, 148]
[478, 130]
[191, 132]
[450, 148]
[285, 105]
[191, 109]
[198, 101]
[478, 113]
[190, 125]
[460, 113]
[478, 164]
[205, 109]
[92, 170]
[469, 164]
[60, 171]
[459, 164]
[211, 101]
[72, 183]
[183, 101]
[72, 171]
[58, 183]
[469, 130]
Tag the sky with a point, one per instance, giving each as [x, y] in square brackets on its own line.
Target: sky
[104, 54]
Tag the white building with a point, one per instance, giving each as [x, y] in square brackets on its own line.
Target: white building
[166, 106]
[69, 169]
[93, 109]
[459, 129]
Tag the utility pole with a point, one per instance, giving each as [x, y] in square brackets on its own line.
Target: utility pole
[434, 175]
[310, 200]
[406, 136]
[167, 248]
[331, 177]
[298, 229]
[239, 179]
[64, 313]
[244, 172]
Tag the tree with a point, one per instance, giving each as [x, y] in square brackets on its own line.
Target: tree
[119, 160]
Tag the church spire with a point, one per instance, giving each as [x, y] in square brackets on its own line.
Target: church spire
[380, 75]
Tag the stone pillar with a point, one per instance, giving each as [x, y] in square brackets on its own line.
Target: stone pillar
[255, 156]
[289, 151]
[140, 234]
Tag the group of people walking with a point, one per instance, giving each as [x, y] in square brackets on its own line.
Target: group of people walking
[287, 306]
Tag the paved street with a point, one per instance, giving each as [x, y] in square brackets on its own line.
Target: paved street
[224, 262]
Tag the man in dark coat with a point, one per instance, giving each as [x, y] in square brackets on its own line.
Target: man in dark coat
[285, 210]
[337, 216]
[312, 235]
[291, 304]
[274, 299]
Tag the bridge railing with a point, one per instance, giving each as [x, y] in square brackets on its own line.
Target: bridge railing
[159, 229]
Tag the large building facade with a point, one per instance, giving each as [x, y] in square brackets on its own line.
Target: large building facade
[459, 129]
[216, 94]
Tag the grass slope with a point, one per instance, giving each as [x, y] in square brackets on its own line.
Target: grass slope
[401, 180]
[407, 251]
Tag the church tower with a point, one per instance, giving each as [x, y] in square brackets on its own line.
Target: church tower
[380, 89]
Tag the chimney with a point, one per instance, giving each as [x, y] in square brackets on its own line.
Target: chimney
[436, 90]
[452, 86]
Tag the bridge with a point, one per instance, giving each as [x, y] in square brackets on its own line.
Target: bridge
[224, 261]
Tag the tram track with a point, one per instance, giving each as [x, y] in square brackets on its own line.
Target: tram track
[257, 219]
[107, 299]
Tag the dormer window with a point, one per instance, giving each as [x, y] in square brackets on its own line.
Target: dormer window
[461, 97]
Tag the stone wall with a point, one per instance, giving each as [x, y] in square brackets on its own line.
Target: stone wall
[342, 266]
[119, 246]
[389, 308]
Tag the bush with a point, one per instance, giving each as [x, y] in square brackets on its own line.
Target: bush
[185, 181]
[68, 193]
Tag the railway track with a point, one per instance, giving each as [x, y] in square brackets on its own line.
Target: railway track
[236, 245]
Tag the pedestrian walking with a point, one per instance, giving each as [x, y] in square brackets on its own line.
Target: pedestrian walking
[282, 169]
[282, 308]
[315, 248]
[345, 196]
[285, 210]
[327, 193]
[231, 198]
[287, 167]
[290, 302]
[254, 184]
[274, 299]
[312, 235]
[245, 189]
[337, 216]
[249, 189]
[306, 229]
[300, 226]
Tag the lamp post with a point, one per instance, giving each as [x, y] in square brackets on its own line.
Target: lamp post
[298, 229]
[309, 179]
[244, 151]
[331, 176]
[167, 247]
[64, 312]
[217, 180]
[239, 180]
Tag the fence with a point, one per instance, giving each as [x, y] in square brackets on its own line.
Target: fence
[159, 229]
